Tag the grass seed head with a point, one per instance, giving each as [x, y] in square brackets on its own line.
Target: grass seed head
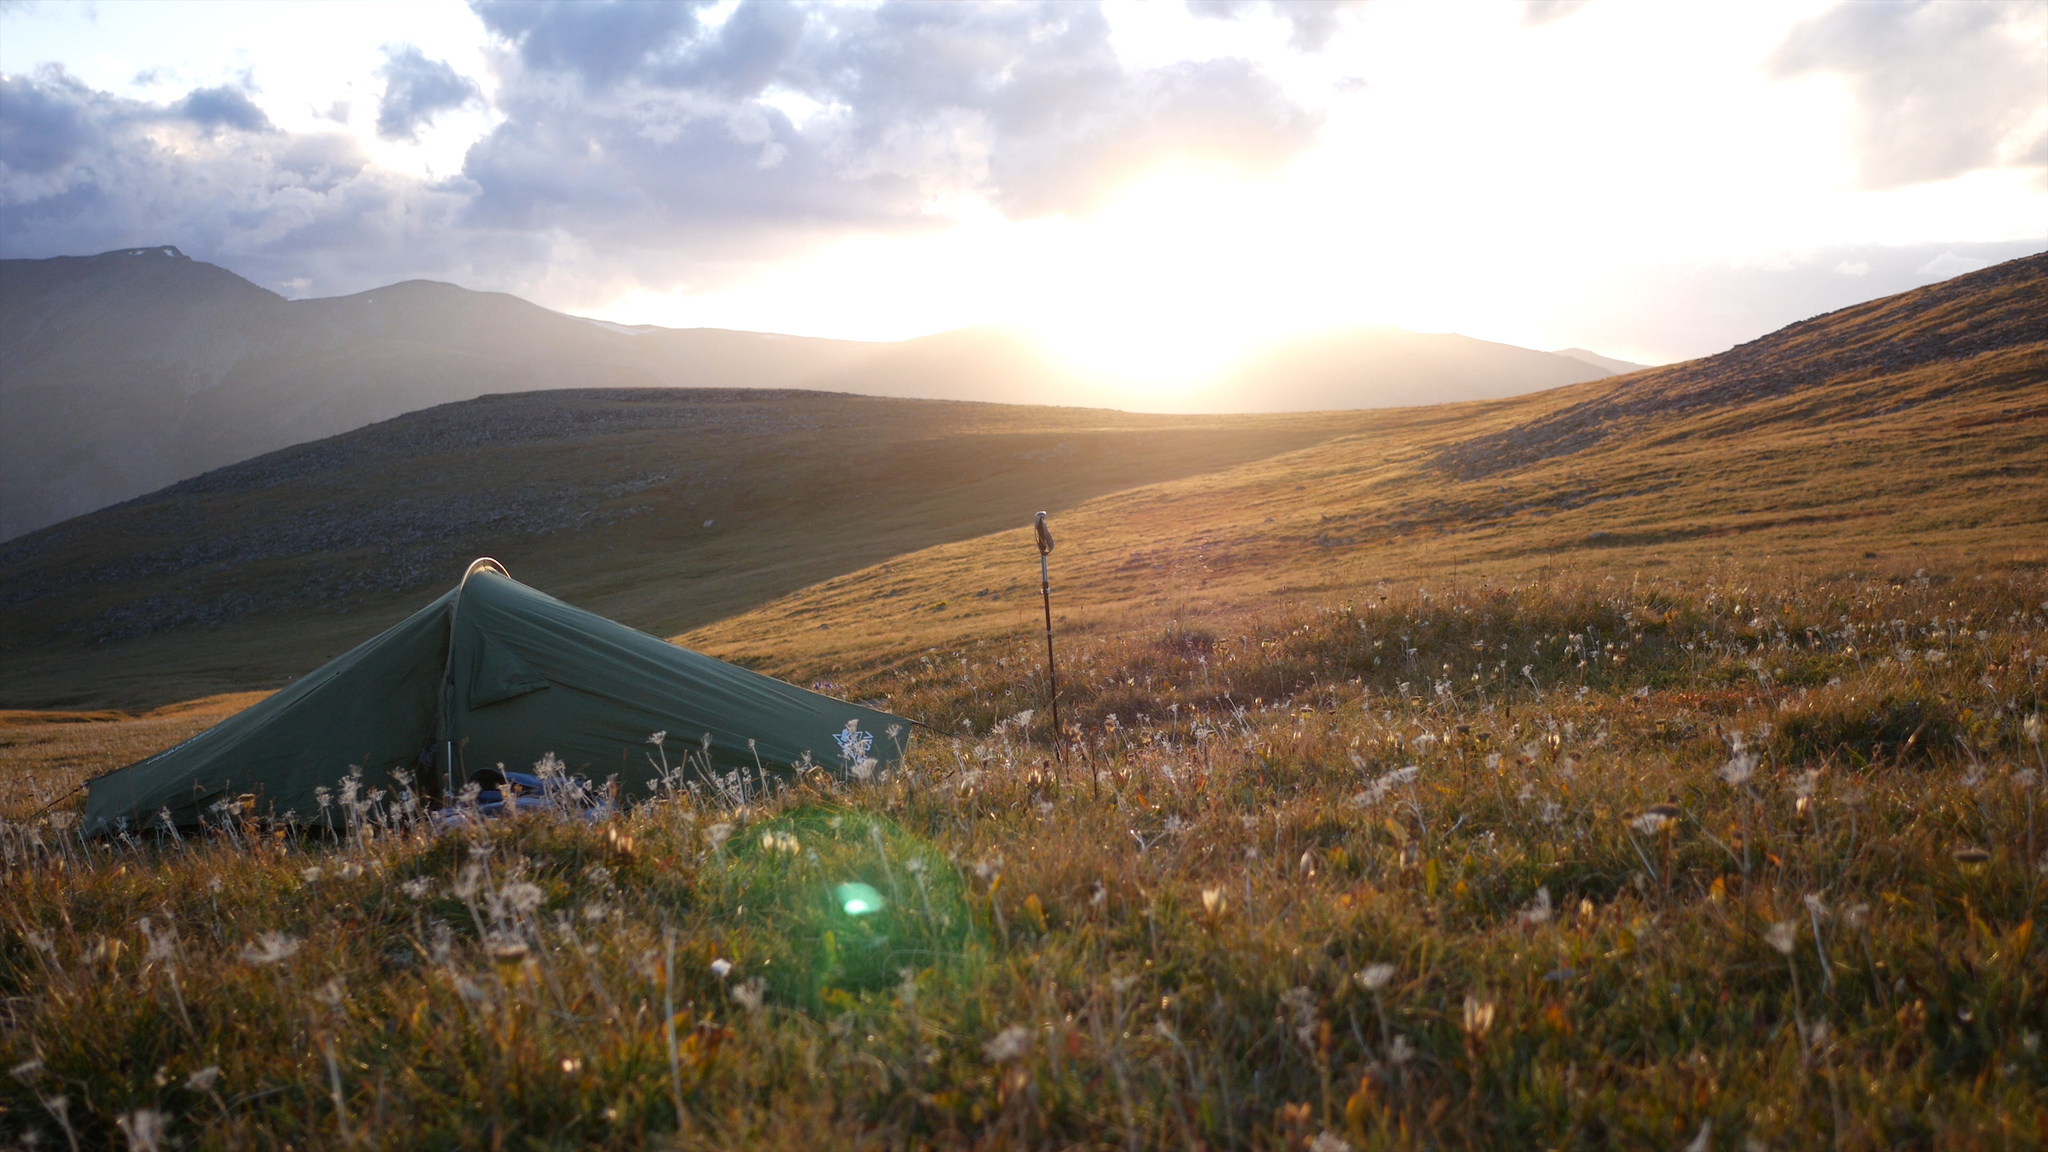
[1971, 859]
[1478, 1016]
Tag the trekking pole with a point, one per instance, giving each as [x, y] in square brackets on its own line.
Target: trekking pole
[1052, 681]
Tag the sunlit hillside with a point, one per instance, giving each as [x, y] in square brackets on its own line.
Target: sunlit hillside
[1907, 433]
[1646, 764]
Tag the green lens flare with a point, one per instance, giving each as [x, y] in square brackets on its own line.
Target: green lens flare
[858, 899]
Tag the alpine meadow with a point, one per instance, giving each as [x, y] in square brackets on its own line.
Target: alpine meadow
[1386, 739]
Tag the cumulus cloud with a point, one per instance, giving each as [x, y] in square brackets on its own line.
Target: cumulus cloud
[216, 108]
[1313, 22]
[639, 141]
[416, 90]
[600, 42]
[85, 171]
[43, 122]
[621, 120]
[1027, 105]
[1941, 89]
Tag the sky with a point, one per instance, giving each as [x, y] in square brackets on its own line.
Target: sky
[1156, 187]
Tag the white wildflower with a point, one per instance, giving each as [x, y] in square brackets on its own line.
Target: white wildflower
[1374, 977]
[721, 967]
[203, 1079]
[1400, 1051]
[1009, 1045]
[1783, 936]
[521, 897]
[162, 945]
[1538, 911]
[271, 948]
[1739, 768]
[144, 1129]
[417, 888]
[748, 994]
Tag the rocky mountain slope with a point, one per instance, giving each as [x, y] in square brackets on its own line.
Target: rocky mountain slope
[1975, 323]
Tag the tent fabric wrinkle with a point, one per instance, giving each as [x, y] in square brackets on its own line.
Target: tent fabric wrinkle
[499, 674]
[491, 673]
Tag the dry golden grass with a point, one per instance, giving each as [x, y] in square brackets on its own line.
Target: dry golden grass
[45, 756]
[1682, 789]
[1942, 467]
[1689, 862]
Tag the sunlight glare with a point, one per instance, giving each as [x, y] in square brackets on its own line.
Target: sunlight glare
[1171, 284]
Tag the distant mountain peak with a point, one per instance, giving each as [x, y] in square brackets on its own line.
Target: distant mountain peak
[166, 251]
[1588, 356]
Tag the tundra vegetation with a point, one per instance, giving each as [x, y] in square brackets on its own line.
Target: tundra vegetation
[1747, 859]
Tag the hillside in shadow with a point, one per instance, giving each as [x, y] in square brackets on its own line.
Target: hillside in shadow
[131, 370]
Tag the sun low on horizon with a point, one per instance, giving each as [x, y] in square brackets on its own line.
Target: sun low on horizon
[1155, 190]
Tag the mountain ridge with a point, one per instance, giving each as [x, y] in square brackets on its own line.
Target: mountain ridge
[133, 369]
[815, 534]
[1989, 310]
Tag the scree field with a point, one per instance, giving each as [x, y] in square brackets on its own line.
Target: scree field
[1654, 762]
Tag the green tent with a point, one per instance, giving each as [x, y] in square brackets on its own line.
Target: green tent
[495, 673]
